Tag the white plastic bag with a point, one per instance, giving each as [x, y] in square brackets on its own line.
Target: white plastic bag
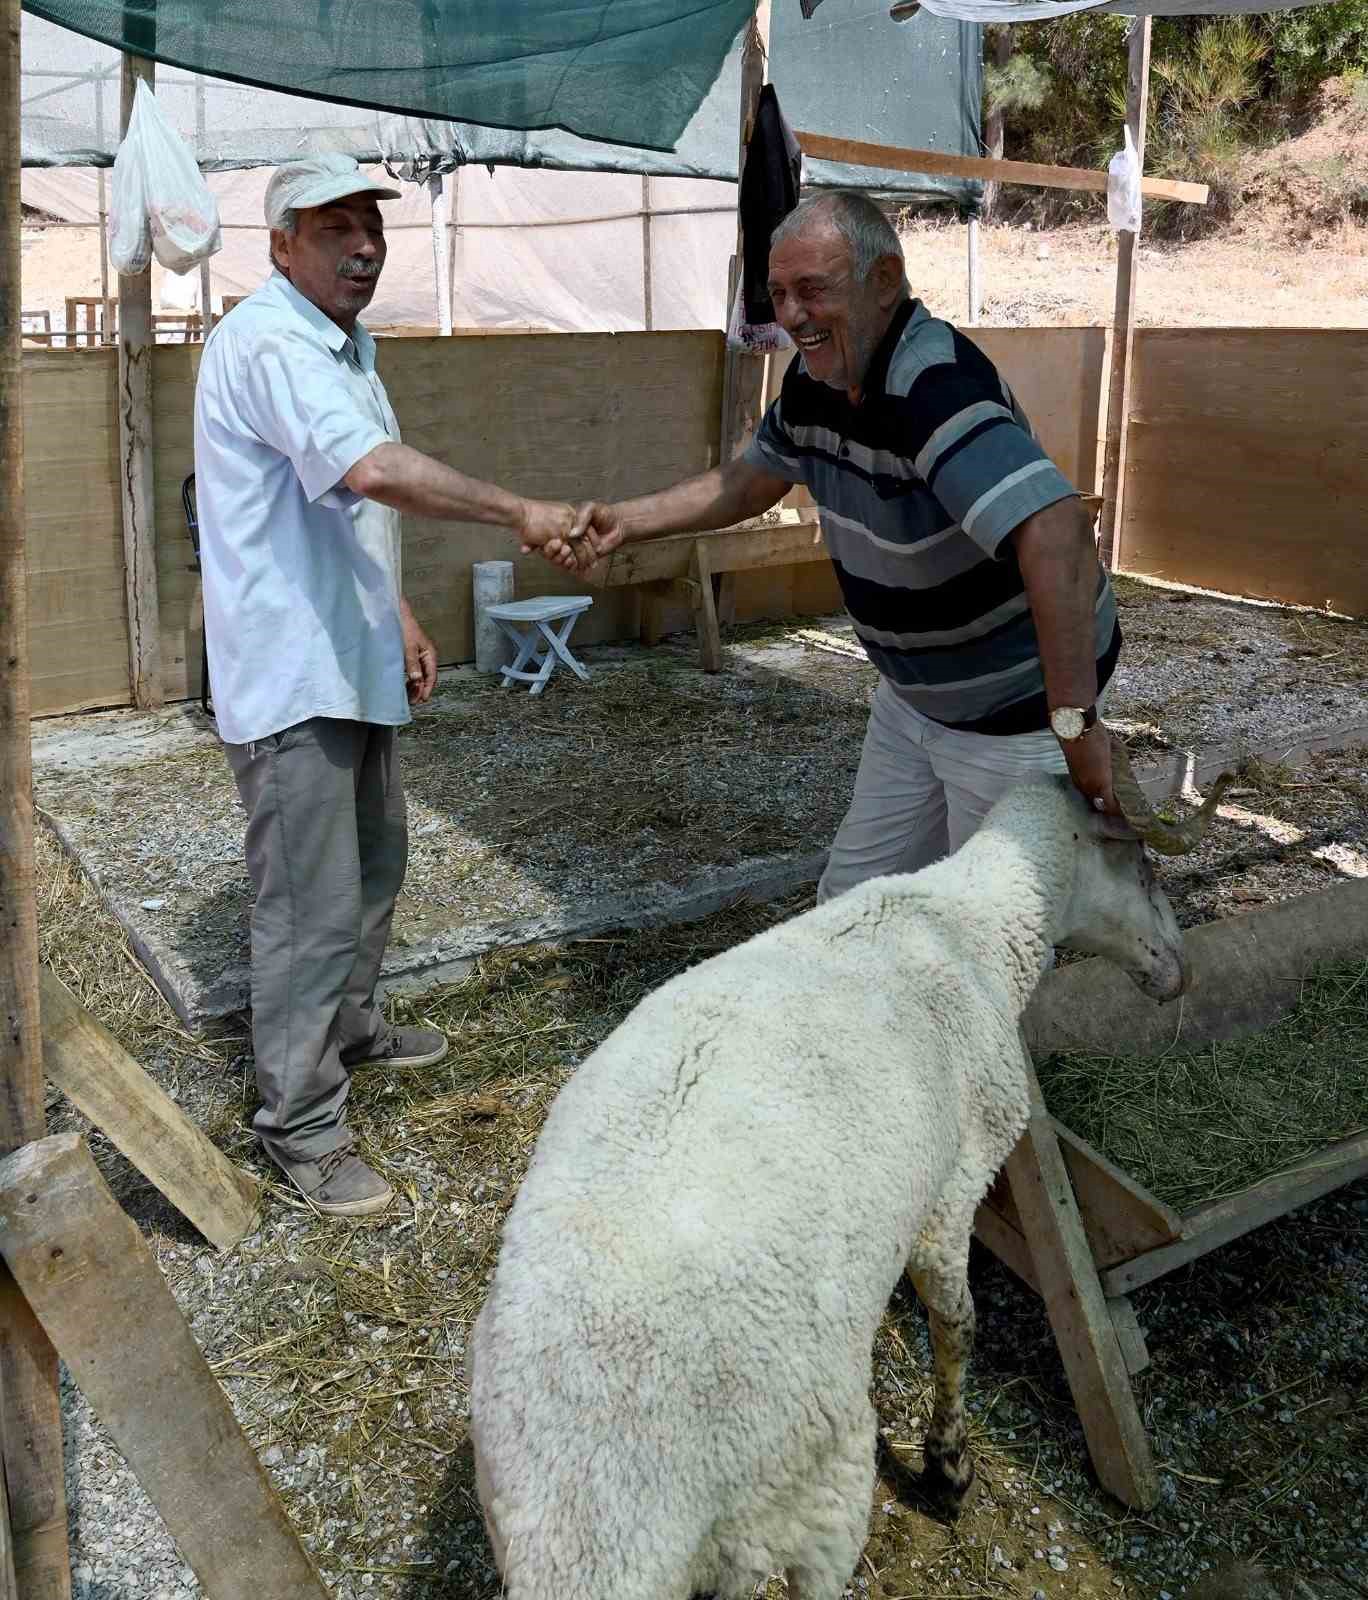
[179, 213]
[1123, 188]
[130, 238]
[763, 338]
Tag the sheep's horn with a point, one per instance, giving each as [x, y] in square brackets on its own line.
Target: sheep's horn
[1168, 838]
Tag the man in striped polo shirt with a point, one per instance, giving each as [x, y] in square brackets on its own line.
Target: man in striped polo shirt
[966, 560]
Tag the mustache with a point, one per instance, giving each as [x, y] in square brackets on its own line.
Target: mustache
[359, 269]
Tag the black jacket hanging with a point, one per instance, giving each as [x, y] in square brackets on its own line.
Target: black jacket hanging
[769, 191]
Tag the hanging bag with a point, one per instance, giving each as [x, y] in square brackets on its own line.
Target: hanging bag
[1123, 188]
[165, 188]
[130, 238]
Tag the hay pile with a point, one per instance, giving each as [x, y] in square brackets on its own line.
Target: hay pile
[1199, 1125]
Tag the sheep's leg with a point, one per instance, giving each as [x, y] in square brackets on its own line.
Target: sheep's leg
[836, 1515]
[948, 1474]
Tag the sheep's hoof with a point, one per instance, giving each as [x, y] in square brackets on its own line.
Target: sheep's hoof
[947, 1495]
[944, 1495]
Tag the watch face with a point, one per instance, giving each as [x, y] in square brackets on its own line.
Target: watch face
[1067, 722]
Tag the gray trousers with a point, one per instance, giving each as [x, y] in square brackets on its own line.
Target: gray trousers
[327, 844]
[922, 789]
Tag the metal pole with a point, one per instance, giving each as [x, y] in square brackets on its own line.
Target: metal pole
[29, 1400]
[205, 278]
[973, 272]
[107, 314]
[453, 240]
[646, 320]
[1118, 384]
[441, 267]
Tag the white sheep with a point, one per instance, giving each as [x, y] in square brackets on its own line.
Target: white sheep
[669, 1379]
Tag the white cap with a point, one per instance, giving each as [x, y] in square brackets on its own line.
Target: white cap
[317, 181]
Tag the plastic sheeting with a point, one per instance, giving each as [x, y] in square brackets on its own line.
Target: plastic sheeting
[852, 72]
[556, 250]
[630, 71]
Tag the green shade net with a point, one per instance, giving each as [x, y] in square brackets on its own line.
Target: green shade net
[632, 72]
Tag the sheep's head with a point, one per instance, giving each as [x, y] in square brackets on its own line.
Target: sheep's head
[1117, 910]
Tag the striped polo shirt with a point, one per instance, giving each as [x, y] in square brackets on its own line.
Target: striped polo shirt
[919, 487]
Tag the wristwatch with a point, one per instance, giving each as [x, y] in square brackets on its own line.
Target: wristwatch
[1072, 722]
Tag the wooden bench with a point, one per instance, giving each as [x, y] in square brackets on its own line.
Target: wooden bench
[682, 566]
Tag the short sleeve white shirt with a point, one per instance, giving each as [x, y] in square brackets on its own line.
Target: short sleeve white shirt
[301, 576]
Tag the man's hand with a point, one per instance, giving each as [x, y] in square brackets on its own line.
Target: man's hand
[605, 526]
[1089, 762]
[556, 531]
[420, 658]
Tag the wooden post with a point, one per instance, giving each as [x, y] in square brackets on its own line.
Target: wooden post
[705, 609]
[105, 1083]
[32, 1421]
[89, 1275]
[135, 452]
[1119, 372]
[646, 253]
[743, 373]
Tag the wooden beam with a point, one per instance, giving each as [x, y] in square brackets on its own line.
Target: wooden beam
[9, 1583]
[1220, 1221]
[105, 1083]
[1123, 313]
[1007, 1243]
[783, 544]
[1033, 173]
[743, 372]
[1129, 1334]
[1121, 1218]
[31, 1420]
[135, 452]
[90, 1277]
[1068, 1283]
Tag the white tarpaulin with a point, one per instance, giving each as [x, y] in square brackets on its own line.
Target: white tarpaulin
[519, 256]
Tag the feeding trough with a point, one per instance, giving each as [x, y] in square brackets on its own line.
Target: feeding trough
[1084, 1230]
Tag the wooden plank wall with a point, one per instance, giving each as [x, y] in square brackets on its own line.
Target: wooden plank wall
[1247, 464]
[78, 642]
[1056, 374]
[551, 414]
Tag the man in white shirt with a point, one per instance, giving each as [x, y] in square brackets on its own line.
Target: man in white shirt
[315, 656]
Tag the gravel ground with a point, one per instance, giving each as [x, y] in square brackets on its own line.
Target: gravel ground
[644, 782]
[340, 1346]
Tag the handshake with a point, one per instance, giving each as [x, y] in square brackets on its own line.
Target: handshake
[574, 538]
